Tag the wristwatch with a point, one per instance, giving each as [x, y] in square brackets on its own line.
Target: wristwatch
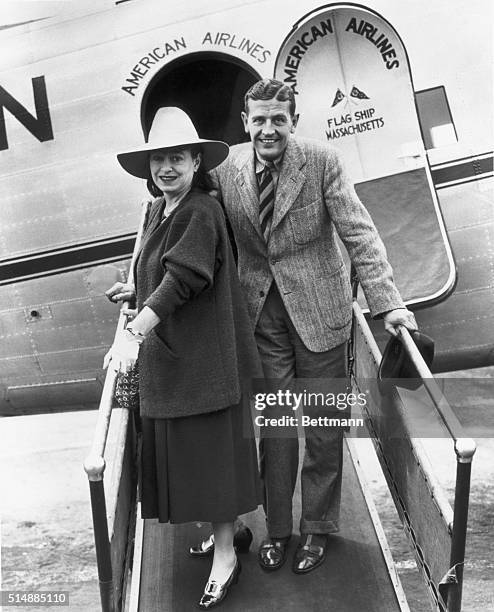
[137, 336]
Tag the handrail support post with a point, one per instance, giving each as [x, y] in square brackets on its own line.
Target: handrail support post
[465, 450]
[94, 467]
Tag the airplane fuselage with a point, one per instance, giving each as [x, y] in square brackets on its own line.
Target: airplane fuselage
[413, 119]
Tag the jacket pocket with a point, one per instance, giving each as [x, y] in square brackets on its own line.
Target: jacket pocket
[334, 299]
[165, 346]
[306, 222]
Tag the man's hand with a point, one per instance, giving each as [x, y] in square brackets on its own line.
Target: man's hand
[399, 316]
[121, 292]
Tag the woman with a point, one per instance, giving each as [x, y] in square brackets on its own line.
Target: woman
[195, 347]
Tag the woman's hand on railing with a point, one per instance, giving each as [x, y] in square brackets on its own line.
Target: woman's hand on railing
[121, 292]
[123, 352]
[130, 313]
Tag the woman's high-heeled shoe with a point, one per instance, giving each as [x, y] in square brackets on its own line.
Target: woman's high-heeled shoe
[215, 593]
[241, 542]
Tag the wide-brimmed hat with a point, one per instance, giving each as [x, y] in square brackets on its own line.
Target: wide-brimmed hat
[397, 365]
[172, 127]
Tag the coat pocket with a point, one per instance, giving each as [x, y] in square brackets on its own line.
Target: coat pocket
[306, 222]
[165, 346]
[334, 299]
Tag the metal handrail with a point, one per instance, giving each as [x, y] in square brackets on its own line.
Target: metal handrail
[465, 449]
[95, 464]
[463, 446]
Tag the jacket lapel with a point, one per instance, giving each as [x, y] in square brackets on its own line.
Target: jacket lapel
[246, 184]
[290, 181]
[153, 221]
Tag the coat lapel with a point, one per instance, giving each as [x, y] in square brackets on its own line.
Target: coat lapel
[246, 184]
[290, 181]
[153, 221]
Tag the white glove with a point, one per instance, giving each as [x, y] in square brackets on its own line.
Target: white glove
[123, 352]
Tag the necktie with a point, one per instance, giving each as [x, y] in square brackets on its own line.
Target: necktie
[266, 199]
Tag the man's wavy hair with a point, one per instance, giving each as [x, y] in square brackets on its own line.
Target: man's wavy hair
[267, 89]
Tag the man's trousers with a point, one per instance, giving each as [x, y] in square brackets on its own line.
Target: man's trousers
[285, 358]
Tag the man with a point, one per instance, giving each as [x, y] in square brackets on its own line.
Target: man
[285, 197]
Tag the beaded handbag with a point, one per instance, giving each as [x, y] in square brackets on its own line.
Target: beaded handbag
[127, 389]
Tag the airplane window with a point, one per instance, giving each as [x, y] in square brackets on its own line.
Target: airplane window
[435, 117]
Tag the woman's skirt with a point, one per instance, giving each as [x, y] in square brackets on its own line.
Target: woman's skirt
[199, 468]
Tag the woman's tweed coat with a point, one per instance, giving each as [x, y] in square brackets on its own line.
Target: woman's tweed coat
[202, 354]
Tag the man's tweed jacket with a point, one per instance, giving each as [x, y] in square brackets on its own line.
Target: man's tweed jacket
[314, 198]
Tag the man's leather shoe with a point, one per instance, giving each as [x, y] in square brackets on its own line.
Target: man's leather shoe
[215, 593]
[272, 553]
[309, 555]
[241, 542]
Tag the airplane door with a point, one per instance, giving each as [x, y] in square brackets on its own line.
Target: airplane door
[350, 74]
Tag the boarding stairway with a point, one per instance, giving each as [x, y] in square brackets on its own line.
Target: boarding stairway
[144, 566]
[355, 575]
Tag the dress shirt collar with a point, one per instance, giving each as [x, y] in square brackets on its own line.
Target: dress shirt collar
[260, 164]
